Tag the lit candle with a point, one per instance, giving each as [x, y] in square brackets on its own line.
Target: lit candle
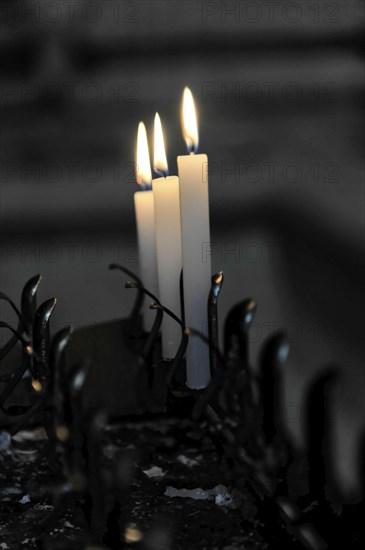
[168, 242]
[195, 233]
[145, 218]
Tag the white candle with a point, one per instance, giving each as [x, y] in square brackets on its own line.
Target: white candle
[195, 233]
[168, 243]
[145, 219]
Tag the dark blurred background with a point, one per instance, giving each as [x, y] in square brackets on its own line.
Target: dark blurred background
[279, 88]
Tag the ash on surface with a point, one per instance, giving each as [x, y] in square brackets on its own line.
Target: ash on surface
[148, 518]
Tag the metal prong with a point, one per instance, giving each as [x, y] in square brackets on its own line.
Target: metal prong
[57, 354]
[217, 283]
[41, 331]
[274, 355]
[29, 302]
[236, 326]
[317, 427]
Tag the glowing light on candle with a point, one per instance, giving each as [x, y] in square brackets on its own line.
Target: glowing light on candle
[189, 121]
[145, 219]
[168, 242]
[195, 238]
[143, 165]
[159, 158]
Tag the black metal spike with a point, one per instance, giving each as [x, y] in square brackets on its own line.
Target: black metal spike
[29, 302]
[317, 430]
[273, 357]
[217, 283]
[76, 380]
[58, 347]
[236, 326]
[41, 336]
[56, 371]
[72, 416]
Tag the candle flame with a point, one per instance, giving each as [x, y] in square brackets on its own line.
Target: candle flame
[159, 157]
[189, 121]
[143, 165]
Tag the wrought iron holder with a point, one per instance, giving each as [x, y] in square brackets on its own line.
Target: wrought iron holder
[240, 409]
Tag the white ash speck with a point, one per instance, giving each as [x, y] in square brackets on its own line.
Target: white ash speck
[69, 525]
[186, 461]
[43, 507]
[38, 434]
[219, 494]
[154, 471]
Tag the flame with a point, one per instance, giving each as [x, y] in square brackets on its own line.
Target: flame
[143, 165]
[189, 121]
[159, 156]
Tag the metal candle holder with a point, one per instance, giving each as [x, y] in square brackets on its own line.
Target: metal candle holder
[240, 409]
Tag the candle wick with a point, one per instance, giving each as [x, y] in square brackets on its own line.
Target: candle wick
[162, 173]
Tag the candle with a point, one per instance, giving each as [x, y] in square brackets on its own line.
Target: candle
[168, 242]
[145, 219]
[195, 233]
